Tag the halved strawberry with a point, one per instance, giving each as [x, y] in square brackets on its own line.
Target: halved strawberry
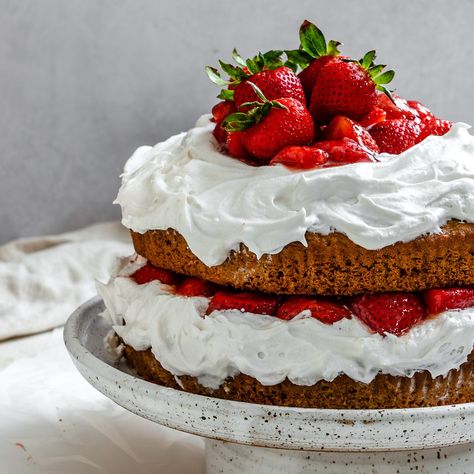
[327, 312]
[192, 286]
[393, 313]
[396, 136]
[343, 127]
[149, 273]
[300, 157]
[438, 300]
[422, 113]
[396, 109]
[249, 302]
[344, 151]
[436, 127]
[376, 115]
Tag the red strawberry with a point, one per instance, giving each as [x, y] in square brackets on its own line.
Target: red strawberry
[398, 110]
[219, 133]
[327, 312]
[309, 75]
[344, 151]
[271, 126]
[300, 157]
[376, 115]
[235, 147]
[442, 299]
[249, 302]
[342, 127]
[274, 83]
[422, 114]
[347, 88]
[149, 273]
[395, 136]
[393, 313]
[196, 287]
[222, 109]
[435, 127]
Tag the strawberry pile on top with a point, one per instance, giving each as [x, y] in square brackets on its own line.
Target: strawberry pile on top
[317, 108]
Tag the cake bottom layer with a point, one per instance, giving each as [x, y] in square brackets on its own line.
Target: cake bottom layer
[385, 391]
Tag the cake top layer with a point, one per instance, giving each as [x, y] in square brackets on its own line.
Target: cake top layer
[217, 202]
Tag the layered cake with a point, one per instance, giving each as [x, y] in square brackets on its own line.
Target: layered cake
[310, 243]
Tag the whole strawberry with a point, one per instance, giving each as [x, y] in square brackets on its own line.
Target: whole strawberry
[395, 136]
[270, 126]
[266, 71]
[393, 313]
[348, 88]
[312, 55]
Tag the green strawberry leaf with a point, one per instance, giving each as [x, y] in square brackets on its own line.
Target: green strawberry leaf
[226, 94]
[233, 72]
[367, 61]
[297, 58]
[384, 78]
[215, 77]
[237, 58]
[333, 48]
[238, 121]
[386, 92]
[312, 40]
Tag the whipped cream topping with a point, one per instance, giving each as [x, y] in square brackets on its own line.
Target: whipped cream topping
[269, 349]
[217, 202]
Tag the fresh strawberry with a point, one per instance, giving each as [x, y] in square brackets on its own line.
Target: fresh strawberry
[274, 83]
[249, 302]
[235, 147]
[393, 313]
[347, 88]
[312, 55]
[300, 157]
[265, 70]
[442, 299]
[219, 133]
[395, 136]
[422, 114]
[192, 286]
[376, 115]
[344, 151]
[395, 108]
[342, 127]
[325, 311]
[435, 127]
[222, 109]
[149, 273]
[271, 126]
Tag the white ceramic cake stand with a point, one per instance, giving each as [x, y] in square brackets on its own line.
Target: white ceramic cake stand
[249, 438]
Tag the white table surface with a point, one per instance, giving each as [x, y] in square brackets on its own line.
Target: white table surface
[52, 421]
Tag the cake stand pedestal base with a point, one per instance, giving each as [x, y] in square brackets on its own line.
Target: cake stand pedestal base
[231, 458]
[246, 438]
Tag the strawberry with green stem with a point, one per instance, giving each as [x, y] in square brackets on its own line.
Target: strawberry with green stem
[266, 71]
[268, 126]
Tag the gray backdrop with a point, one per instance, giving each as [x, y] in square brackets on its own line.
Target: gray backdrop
[84, 82]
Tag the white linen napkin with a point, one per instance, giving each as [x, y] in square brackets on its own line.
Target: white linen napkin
[43, 279]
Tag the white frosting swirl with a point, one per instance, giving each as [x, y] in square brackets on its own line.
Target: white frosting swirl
[303, 350]
[217, 202]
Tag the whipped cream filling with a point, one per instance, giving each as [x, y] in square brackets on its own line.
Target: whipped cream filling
[217, 202]
[269, 349]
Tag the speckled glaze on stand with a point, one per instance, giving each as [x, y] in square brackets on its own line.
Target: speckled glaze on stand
[244, 437]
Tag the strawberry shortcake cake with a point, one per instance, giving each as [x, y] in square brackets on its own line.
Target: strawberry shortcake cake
[310, 243]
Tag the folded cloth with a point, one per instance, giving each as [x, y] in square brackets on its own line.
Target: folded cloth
[43, 279]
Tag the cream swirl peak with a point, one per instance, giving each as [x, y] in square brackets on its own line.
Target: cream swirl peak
[269, 349]
[217, 202]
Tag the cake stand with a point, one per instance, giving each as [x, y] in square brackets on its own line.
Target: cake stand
[248, 438]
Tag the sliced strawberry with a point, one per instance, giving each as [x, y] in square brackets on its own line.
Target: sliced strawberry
[395, 136]
[300, 157]
[235, 146]
[398, 110]
[327, 312]
[438, 300]
[222, 109]
[436, 127]
[422, 113]
[344, 151]
[376, 115]
[257, 303]
[343, 127]
[393, 313]
[149, 273]
[192, 286]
